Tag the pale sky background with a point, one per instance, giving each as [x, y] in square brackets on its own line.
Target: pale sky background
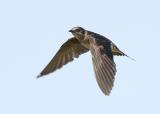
[31, 32]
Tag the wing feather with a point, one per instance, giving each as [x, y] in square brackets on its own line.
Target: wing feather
[69, 50]
[103, 63]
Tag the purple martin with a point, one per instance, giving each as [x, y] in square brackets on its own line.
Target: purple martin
[102, 50]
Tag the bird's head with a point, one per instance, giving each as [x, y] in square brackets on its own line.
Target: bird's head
[78, 32]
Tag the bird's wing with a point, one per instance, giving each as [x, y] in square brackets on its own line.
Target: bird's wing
[104, 66]
[69, 50]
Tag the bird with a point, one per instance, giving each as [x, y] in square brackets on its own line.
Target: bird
[102, 51]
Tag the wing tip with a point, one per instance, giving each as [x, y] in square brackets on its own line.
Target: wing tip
[106, 93]
[39, 76]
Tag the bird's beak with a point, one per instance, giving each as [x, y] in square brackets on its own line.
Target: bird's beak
[71, 31]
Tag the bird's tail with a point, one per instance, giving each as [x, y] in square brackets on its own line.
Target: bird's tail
[118, 52]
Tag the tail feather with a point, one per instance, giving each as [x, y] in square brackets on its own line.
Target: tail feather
[116, 51]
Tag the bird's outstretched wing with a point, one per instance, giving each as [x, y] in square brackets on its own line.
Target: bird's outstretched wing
[69, 50]
[104, 66]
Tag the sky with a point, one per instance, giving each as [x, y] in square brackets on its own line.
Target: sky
[31, 32]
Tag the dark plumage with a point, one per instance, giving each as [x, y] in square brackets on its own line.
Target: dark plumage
[102, 50]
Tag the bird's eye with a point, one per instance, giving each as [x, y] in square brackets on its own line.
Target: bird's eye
[77, 30]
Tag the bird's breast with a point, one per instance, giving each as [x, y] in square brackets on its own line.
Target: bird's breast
[86, 44]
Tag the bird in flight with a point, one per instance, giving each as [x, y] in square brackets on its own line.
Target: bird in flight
[102, 50]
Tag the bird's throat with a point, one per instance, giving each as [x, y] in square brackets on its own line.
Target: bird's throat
[85, 43]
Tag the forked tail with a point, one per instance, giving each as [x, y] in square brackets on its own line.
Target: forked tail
[118, 52]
